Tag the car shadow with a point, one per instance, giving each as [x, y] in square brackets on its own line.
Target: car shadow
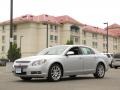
[65, 79]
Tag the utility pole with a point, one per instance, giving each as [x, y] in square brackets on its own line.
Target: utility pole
[47, 36]
[107, 35]
[11, 23]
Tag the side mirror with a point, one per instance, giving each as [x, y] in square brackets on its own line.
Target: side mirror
[70, 53]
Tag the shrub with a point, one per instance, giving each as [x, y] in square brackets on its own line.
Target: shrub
[14, 53]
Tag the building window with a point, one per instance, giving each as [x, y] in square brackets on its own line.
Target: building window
[76, 39]
[94, 44]
[94, 35]
[104, 46]
[114, 40]
[104, 38]
[14, 28]
[114, 47]
[51, 37]
[56, 38]
[51, 26]
[3, 48]
[84, 42]
[84, 33]
[56, 27]
[74, 28]
[3, 39]
[15, 38]
[3, 28]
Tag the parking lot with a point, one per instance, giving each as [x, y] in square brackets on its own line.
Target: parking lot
[84, 82]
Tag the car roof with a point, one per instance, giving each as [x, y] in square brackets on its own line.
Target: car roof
[79, 46]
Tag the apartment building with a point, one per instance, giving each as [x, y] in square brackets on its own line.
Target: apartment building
[34, 33]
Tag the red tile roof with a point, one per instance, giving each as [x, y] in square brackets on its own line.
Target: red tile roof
[113, 26]
[117, 32]
[114, 29]
[67, 19]
[93, 29]
[44, 18]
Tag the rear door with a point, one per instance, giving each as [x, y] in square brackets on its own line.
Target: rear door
[89, 59]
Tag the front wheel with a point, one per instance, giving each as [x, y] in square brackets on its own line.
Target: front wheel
[100, 71]
[55, 72]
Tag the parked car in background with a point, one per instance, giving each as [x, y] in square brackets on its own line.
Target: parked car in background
[110, 58]
[3, 62]
[63, 60]
[116, 61]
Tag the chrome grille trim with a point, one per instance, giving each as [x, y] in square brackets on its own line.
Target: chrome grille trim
[21, 66]
[22, 61]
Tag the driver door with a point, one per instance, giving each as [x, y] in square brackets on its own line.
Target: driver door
[73, 63]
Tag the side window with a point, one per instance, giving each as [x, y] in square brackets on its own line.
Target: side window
[76, 50]
[87, 51]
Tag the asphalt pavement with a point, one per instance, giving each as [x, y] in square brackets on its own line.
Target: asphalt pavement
[111, 81]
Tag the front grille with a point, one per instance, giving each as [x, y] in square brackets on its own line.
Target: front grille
[21, 66]
[22, 61]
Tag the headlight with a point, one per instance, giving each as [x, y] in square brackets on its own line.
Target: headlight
[39, 62]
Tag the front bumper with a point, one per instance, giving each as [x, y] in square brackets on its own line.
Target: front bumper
[31, 71]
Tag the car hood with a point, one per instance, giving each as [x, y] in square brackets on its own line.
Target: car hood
[39, 57]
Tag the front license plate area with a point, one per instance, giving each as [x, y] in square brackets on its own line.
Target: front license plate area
[18, 70]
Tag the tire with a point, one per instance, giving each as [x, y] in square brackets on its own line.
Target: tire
[100, 71]
[116, 67]
[26, 78]
[111, 66]
[55, 73]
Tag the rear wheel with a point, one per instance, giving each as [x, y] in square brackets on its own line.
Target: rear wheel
[100, 71]
[55, 73]
[26, 78]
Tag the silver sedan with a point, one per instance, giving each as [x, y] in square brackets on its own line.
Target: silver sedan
[63, 60]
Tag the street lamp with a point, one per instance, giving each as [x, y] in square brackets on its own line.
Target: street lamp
[11, 23]
[107, 35]
[21, 42]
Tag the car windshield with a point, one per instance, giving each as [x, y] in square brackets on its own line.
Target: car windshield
[56, 50]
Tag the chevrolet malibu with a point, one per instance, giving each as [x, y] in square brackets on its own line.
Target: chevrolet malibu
[53, 63]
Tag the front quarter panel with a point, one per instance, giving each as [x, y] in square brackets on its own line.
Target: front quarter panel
[52, 61]
[103, 59]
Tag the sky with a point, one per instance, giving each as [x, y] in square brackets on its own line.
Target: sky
[91, 12]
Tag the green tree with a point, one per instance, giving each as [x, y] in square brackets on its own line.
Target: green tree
[69, 42]
[14, 53]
